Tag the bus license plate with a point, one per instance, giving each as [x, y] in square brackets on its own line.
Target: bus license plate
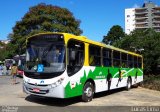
[36, 90]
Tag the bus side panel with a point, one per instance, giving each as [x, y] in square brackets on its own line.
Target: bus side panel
[76, 82]
[137, 76]
[117, 77]
[73, 89]
[102, 77]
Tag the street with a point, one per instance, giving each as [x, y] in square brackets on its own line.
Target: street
[12, 95]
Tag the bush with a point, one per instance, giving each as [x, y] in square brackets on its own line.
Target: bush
[151, 82]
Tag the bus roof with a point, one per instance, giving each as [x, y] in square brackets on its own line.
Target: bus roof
[85, 39]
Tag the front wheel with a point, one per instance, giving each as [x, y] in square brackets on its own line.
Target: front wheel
[88, 92]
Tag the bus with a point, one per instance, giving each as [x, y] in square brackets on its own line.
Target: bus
[8, 63]
[20, 60]
[63, 65]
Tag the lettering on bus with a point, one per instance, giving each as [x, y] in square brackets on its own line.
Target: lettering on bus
[49, 37]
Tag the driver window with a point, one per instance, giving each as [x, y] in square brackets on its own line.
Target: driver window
[75, 56]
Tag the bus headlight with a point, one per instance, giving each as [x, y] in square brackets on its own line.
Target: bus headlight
[57, 83]
[24, 82]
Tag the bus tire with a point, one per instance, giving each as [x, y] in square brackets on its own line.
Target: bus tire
[88, 92]
[129, 84]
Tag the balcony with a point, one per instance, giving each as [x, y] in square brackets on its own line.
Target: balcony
[157, 30]
[141, 12]
[156, 11]
[141, 21]
[156, 20]
[141, 17]
[140, 9]
[156, 17]
[156, 8]
[156, 25]
[141, 26]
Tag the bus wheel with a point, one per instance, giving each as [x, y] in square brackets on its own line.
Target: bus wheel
[129, 84]
[88, 92]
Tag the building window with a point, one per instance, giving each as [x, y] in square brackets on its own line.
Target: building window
[128, 15]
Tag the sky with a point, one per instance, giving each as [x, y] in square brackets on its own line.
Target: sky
[96, 16]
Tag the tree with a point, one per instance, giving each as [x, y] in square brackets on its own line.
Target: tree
[133, 41]
[115, 34]
[7, 51]
[2, 50]
[151, 51]
[43, 18]
[146, 40]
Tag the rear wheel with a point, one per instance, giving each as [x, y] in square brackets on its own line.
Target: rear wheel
[129, 84]
[88, 92]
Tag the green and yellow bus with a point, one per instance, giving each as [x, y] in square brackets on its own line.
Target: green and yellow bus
[63, 65]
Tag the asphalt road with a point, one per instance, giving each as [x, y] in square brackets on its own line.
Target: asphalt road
[12, 95]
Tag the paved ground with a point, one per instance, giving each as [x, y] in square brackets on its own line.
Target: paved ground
[12, 95]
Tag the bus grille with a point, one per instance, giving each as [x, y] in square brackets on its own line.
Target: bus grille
[37, 85]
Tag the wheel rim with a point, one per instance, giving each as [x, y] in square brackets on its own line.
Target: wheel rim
[129, 84]
[88, 92]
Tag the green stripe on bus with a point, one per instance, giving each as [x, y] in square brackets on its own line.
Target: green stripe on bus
[100, 73]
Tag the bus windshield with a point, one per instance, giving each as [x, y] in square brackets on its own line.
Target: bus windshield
[45, 56]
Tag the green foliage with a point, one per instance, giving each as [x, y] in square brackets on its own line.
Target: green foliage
[2, 44]
[7, 51]
[151, 82]
[145, 42]
[2, 50]
[114, 35]
[42, 18]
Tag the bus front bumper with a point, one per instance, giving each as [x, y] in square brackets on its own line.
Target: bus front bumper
[44, 90]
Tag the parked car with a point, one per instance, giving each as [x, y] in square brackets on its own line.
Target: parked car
[20, 71]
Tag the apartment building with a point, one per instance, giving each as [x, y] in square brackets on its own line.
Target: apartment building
[147, 16]
[5, 41]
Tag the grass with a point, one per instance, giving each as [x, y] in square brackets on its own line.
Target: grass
[151, 82]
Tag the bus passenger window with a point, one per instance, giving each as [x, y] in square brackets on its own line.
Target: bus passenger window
[130, 61]
[139, 62]
[94, 55]
[116, 59]
[91, 60]
[124, 60]
[106, 57]
[75, 56]
[135, 61]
